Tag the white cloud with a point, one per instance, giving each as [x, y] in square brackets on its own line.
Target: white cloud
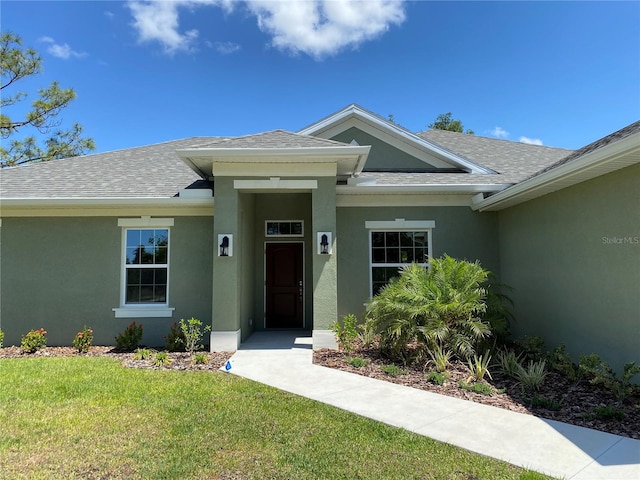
[60, 50]
[499, 132]
[324, 27]
[159, 21]
[316, 27]
[530, 141]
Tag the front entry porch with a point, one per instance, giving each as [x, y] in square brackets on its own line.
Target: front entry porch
[276, 277]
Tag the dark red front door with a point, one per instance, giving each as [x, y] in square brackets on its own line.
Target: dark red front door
[284, 287]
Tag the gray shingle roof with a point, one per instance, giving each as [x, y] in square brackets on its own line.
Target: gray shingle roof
[142, 172]
[150, 171]
[272, 139]
[614, 137]
[156, 170]
[514, 161]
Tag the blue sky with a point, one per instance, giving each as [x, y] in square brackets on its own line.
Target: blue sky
[558, 73]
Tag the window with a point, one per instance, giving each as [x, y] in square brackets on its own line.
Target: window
[395, 244]
[277, 228]
[145, 268]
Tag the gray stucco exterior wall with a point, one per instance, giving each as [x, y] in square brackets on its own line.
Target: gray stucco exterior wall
[459, 232]
[573, 259]
[64, 273]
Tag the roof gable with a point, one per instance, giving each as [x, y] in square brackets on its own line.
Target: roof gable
[354, 116]
[387, 157]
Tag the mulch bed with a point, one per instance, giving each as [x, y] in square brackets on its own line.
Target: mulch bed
[179, 360]
[574, 403]
[577, 402]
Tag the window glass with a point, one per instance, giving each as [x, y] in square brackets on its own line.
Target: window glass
[292, 228]
[390, 251]
[146, 265]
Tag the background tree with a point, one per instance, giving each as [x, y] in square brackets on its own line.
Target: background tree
[17, 63]
[444, 121]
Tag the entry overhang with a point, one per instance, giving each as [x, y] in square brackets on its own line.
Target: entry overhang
[341, 161]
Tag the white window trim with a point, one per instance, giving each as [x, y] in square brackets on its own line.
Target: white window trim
[280, 235]
[397, 225]
[156, 310]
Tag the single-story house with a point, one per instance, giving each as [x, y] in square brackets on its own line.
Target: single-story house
[284, 230]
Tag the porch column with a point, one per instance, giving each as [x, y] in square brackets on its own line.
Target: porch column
[225, 328]
[325, 267]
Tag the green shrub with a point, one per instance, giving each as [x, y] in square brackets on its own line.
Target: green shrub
[130, 339]
[479, 367]
[440, 357]
[509, 362]
[83, 340]
[482, 388]
[346, 333]
[174, 340]
[142, 354]
[200, 358]
[193, 333]
[367, 333]
[34, 340]
[358, 362]
[560, 361]
[1, 338]
[393, 370]
[533, 348]
[440, 305]
[599, 372]
[532, 377]
[437, 378]
[161, 359]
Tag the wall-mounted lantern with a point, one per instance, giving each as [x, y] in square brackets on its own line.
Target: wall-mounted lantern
[324, 243]
[225, 245]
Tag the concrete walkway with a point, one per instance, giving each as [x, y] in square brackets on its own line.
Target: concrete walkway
[284, 360]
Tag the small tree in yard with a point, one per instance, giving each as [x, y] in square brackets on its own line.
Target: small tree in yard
[192, 330]
[435, 308]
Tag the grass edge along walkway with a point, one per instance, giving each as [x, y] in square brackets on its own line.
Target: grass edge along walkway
[82, 417]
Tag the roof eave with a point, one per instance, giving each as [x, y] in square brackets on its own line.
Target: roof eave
[612, 157]
[35, 202]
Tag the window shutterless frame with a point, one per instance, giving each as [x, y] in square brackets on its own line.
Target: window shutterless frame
[145, 268]
[394, 244]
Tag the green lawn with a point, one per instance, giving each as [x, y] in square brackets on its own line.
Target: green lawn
[91, 418]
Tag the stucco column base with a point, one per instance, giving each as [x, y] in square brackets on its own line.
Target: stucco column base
[324, 339]
[225, 341]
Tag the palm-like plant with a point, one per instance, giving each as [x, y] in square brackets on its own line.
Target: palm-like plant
[435, 307]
